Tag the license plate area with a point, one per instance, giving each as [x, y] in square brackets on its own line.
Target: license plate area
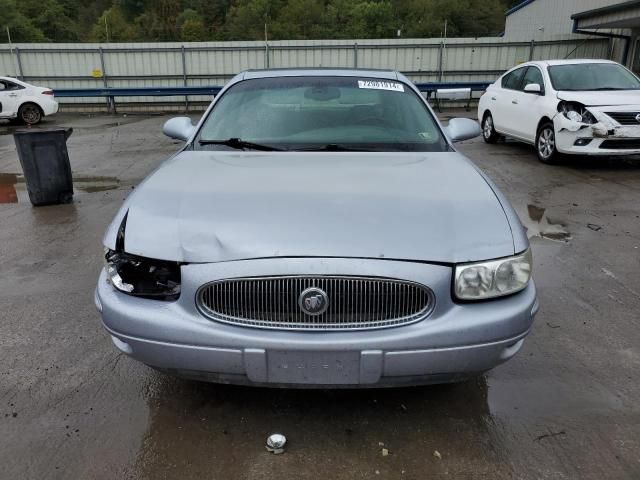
[315, 368]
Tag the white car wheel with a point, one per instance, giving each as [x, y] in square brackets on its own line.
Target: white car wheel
[546, 144]
[30, 113]
[488, 131]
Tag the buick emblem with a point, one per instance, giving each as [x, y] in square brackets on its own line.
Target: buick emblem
[638, 118]
[313, 301]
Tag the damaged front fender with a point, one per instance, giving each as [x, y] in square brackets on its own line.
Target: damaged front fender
[592, 124]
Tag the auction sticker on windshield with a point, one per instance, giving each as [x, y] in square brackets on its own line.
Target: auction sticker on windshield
[379, 85]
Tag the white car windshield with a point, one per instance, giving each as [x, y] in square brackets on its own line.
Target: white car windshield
[592, 77]
[322, 113]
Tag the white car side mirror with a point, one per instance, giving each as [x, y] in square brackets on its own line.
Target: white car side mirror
[533, 88]
[460, 129]
[179, 128]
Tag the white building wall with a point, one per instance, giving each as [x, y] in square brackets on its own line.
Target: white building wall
[548, 19]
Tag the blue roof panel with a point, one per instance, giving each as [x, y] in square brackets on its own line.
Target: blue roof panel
[519, 6]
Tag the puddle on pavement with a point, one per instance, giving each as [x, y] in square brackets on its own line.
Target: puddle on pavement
[205, 427]
[538, 224]
[13, 188]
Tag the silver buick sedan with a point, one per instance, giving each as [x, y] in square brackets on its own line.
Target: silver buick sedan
[318, 229]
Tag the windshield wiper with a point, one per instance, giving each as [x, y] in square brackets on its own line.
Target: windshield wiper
[609, 88]
[330, 147]
[242, 144]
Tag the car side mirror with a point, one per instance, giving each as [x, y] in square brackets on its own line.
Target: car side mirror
[533, 88]
[460, 129]
[179, 128]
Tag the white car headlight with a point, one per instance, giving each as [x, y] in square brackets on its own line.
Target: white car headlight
[573, 115]
[495, 278]
[576, 112]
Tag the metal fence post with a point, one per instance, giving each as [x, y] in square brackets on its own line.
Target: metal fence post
[355, 55]
[440, 60]
[266, 54]
[532, 48]
[19, 60]
[111, 102]
[184, 78]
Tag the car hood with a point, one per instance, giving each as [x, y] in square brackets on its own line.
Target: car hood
[602, 98]
[211, 206]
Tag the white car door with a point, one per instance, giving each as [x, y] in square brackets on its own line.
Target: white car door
[529, 107]
[10, 94]
[502, 101]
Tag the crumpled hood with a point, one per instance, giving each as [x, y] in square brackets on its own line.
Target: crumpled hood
[218, 206]
[603, 98]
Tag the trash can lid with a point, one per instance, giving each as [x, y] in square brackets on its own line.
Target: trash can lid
[40, 131]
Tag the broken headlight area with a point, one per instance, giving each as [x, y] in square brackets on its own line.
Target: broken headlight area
[576, 112]
[143, 277]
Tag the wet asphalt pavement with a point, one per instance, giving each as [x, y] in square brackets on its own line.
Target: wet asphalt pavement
[567, 406]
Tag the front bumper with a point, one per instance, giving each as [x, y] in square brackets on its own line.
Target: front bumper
[598, 138]
[455, 341]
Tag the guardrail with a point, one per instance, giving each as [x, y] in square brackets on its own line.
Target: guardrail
[111, 93]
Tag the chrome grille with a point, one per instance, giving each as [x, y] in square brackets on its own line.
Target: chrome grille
[355, 303]
[625, 118]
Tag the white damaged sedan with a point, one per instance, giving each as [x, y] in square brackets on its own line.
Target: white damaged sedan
[577, 107]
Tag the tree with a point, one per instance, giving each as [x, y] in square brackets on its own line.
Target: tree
[131, 8]
[20, 26]
[159, 22]
[192, 20]
[246, 20]
[361, 19]
[50, 18]
[88, 16]
[191, 26]
[112, 26]
[300, 19]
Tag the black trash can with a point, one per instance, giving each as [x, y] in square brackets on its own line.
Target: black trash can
[45, 163]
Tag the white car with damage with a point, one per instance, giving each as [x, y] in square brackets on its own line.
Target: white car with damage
[577, 107]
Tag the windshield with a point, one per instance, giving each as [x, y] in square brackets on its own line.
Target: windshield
[322, 113]
[592, 76]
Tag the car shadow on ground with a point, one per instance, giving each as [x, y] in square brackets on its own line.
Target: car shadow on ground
[8, 127]
[578, 162]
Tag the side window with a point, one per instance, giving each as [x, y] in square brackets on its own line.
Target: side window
[533, 75]
[6, 85]
[513, 79]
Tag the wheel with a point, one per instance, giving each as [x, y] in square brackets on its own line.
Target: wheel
[30, 114]
[488, 131]
[546, 144]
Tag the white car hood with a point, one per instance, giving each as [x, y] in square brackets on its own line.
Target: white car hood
[211, 206]
[602, 98]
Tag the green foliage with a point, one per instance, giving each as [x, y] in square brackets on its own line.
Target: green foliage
[112, 26]
[191, 26]
[200, 20]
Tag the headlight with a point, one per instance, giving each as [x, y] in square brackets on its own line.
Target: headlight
[573, 115]
[143, 277]
[576, 112]
[496, 278]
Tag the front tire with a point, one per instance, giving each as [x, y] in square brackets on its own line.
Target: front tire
[546, 144]
[30, 114]
[488, 130]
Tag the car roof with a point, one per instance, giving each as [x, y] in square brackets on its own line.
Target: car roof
[13, 79]
[322, 72]
[569, 61]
